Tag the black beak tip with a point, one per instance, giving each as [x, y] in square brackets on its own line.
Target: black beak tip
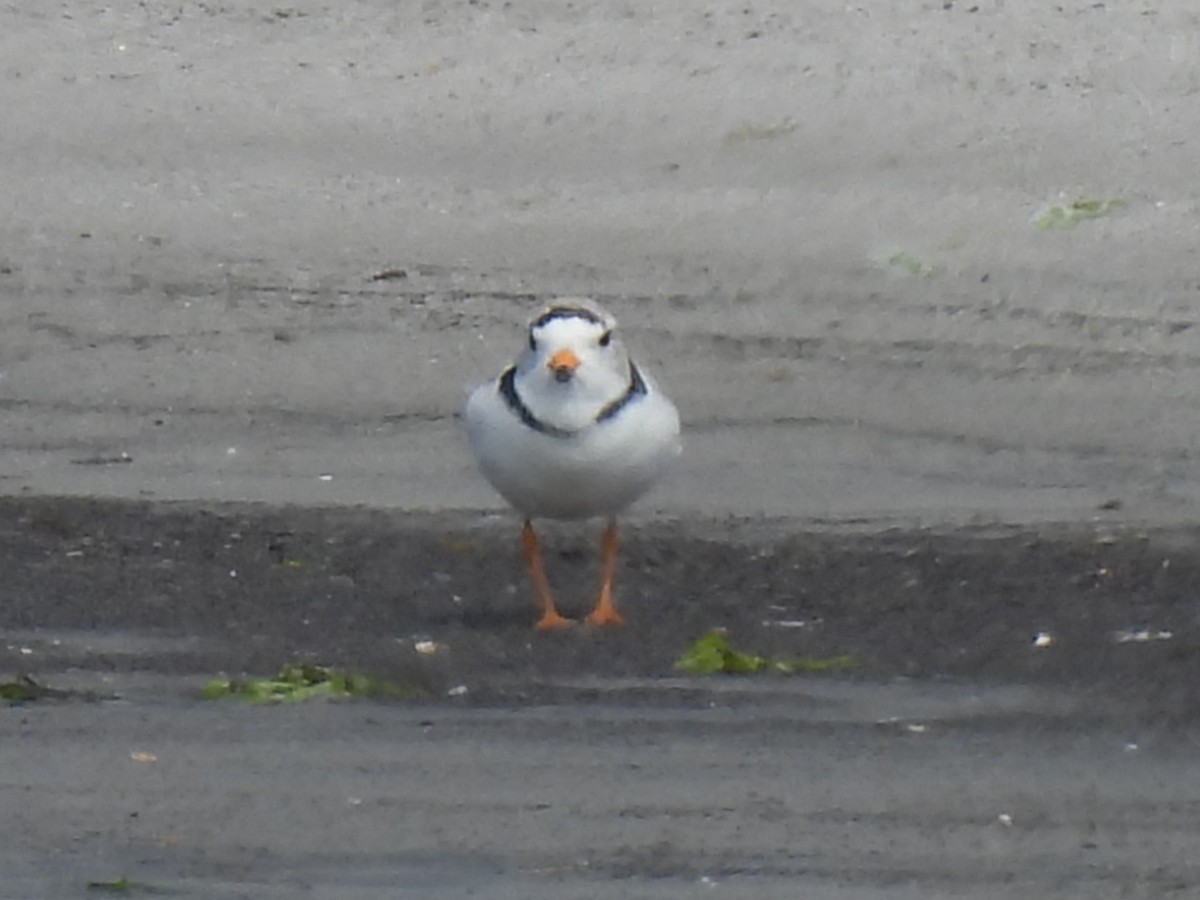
[562, 376]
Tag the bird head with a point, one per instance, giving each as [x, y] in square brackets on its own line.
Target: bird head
[574, 344]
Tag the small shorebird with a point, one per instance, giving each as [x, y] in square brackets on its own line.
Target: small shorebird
[573, 430]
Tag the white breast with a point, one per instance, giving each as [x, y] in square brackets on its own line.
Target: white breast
[597, 472]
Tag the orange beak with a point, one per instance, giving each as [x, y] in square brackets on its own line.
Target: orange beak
[563, 364]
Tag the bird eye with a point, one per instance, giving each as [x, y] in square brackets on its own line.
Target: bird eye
[605, 339]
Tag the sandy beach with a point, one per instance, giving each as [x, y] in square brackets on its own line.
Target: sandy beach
[921, 280]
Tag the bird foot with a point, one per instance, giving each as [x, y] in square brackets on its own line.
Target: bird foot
[605, 617]
[552, 621]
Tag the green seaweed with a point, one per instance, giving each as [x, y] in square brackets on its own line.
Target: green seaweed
[760, 131]
[1068, 215]
[712, 654]
[24, 689]
[124, 885]
[300, 681]
[902, 259]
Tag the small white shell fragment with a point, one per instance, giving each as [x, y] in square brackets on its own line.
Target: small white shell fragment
[1043, 639]
[324, 476]
[1004, 819]
[427, 647]
[1140, 635]
[457, 691]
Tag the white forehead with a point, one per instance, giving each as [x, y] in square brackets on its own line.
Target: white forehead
[566, 324]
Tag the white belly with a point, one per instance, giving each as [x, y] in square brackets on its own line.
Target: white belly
[597, 472]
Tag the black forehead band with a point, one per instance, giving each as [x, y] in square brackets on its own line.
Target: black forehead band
[566, 312]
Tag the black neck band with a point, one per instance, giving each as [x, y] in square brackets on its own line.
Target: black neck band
[637, 388]
[508, 390]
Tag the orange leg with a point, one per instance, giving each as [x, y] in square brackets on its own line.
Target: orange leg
[550, 618]
[605, 611]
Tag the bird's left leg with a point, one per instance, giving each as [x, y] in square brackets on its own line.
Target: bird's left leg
[550, 619]
[605, 611]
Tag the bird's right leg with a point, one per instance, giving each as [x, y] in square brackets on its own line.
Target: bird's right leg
[537, 574]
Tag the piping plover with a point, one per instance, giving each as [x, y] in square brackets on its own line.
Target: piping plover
[573, 430]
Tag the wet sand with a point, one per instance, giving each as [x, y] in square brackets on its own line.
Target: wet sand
[957, 756]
